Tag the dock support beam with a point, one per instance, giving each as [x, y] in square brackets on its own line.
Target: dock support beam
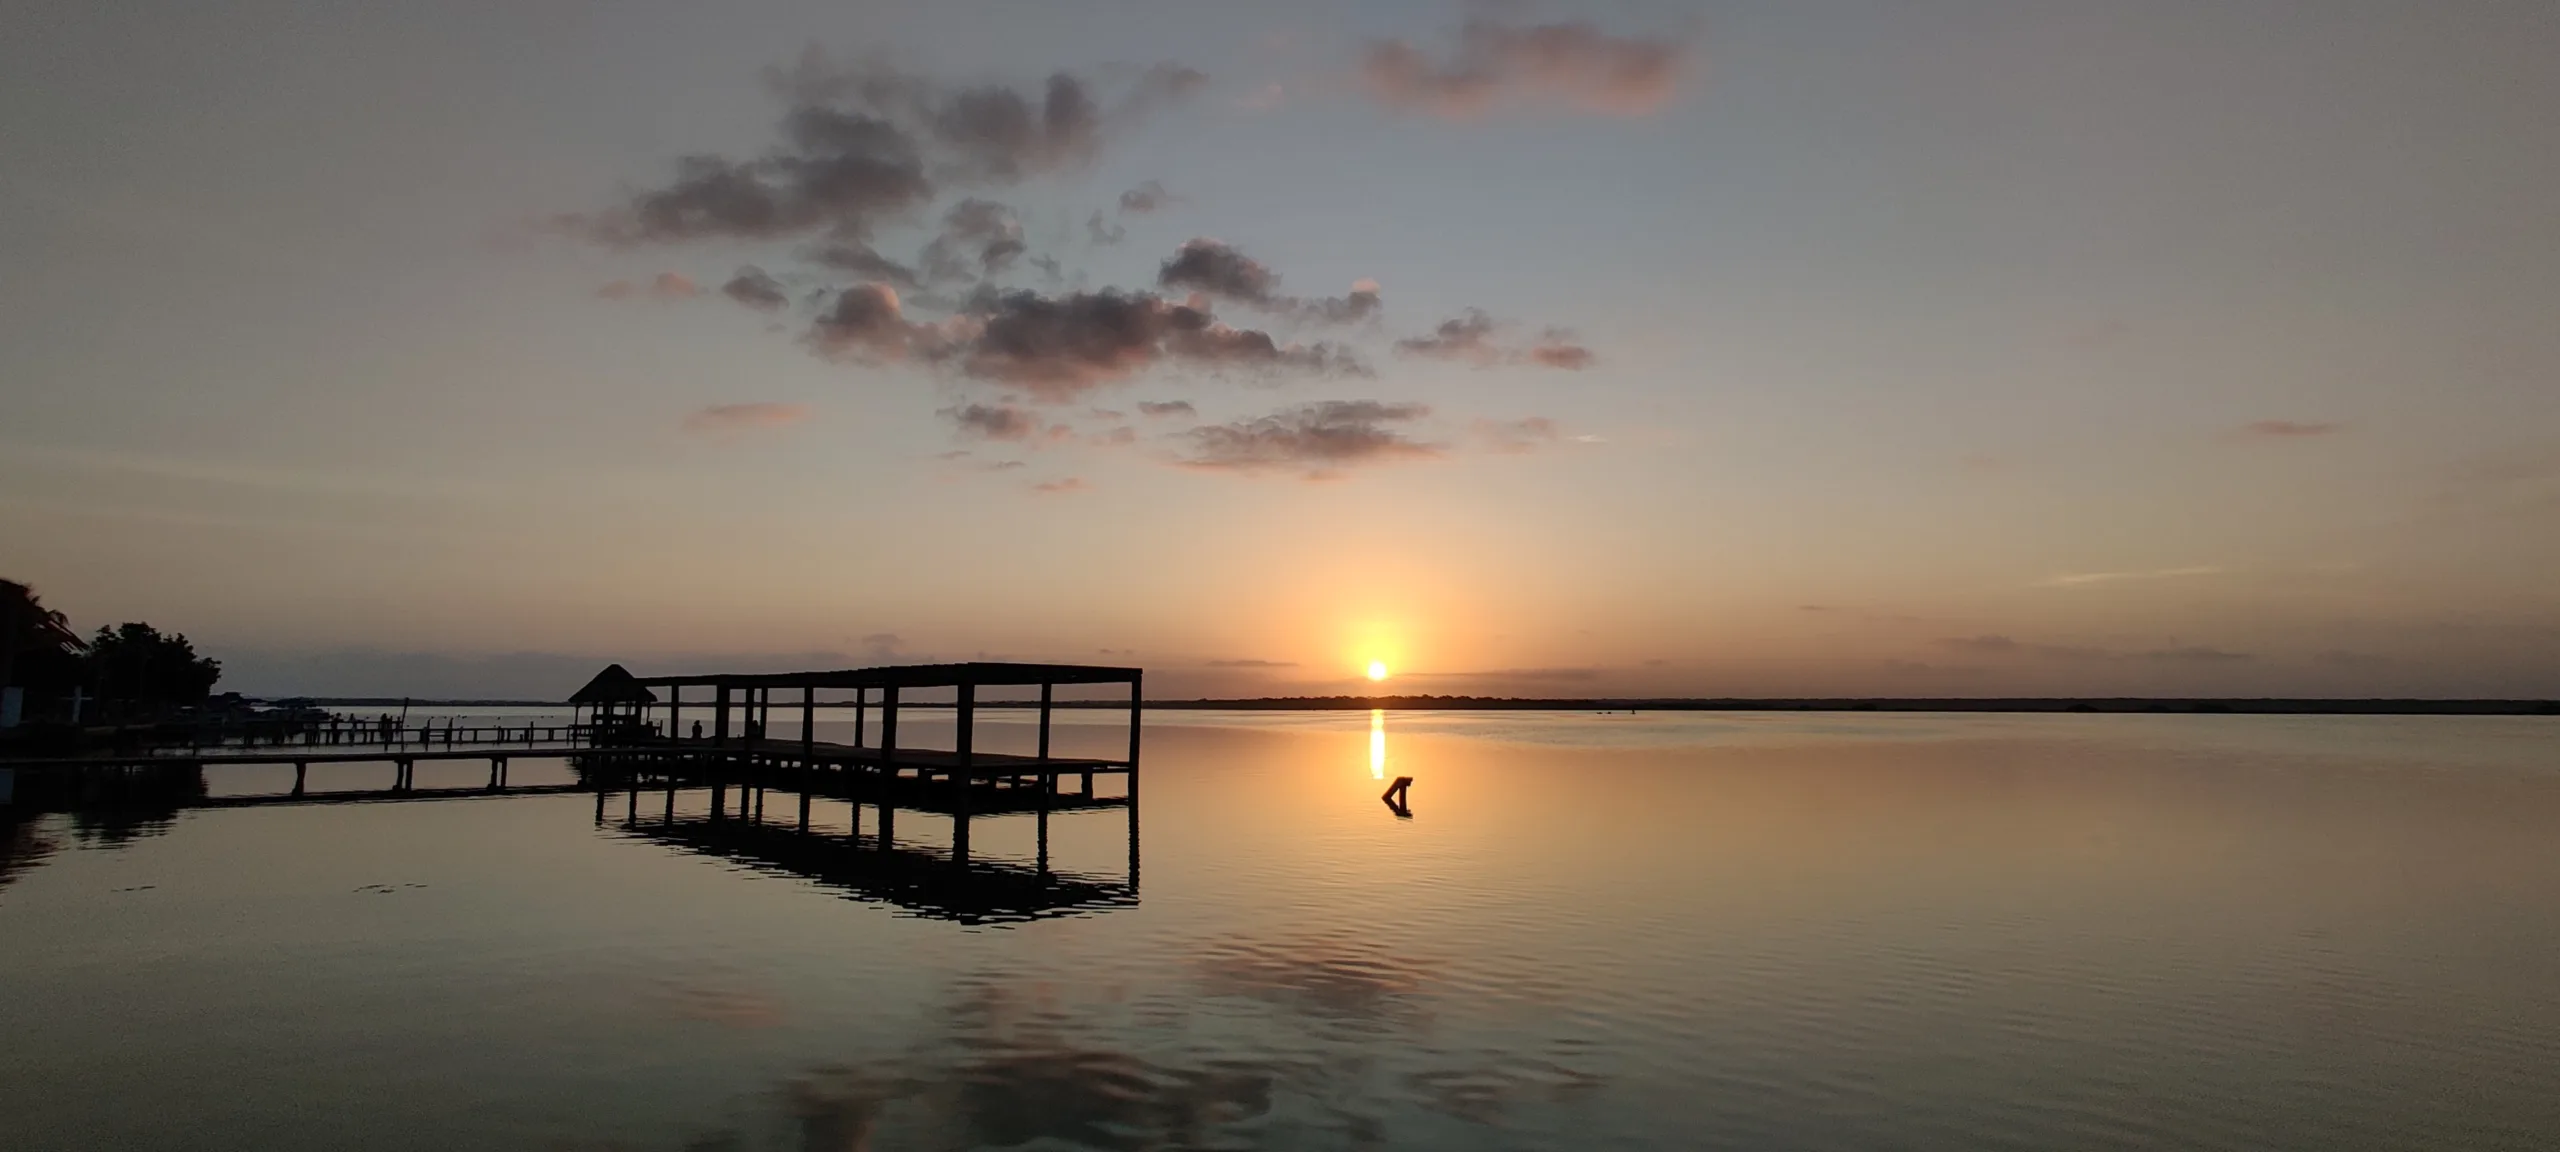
[888, 765]
[966, 776]
[1044, 720]
[1137, 710]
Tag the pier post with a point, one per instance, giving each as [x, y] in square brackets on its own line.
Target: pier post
[1137, 707]
[675, 711]
[965, 775]
[720, 720]
[861, 708]
[808, 725]
[888, 764]
[299, 768]
[1044, 720]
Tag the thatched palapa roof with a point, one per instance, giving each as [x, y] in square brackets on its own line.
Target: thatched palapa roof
[614, 685]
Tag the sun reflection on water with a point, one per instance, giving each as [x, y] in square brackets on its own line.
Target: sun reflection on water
[1378, 743]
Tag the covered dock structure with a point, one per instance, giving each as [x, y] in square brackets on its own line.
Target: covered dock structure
[718, 730]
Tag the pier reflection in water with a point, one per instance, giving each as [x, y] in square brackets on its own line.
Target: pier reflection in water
[1820, 932]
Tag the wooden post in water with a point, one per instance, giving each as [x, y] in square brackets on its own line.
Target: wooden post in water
[888, 764]
[861, 707]
[1044, 720]
[1137, 708]
[966, 776]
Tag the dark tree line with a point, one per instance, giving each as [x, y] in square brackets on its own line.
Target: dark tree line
[131, 668]
[138, 663]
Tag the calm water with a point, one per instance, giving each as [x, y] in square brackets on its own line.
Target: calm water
[1596, 931]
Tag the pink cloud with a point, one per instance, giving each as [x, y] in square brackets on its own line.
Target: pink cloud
[1573, 64]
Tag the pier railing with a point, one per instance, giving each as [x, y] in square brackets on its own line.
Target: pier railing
[390, 737]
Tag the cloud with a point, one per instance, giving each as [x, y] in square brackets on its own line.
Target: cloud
[736, 417]
[753, 288]
[2080, 579]
[1147, 197]
[1983, 643]
[663, 286]
[1058, 347]
[1205, 265]
[1214, 268]
[1572, 64]
[1061, 487]
[980, 238]
[2286, 429]
[1253, 663]
[1102, 232]
[860, 260]
[994, 421]
[1470, 338]
[1166, 408]
[1316, 440]
[866, 324]
[1557, 348]
[862, 145]
[1523, 435]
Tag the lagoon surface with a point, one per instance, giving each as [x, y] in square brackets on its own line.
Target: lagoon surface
[1695, 930]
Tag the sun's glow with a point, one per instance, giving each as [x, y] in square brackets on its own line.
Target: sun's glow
[1378, 743]
[1377, 669]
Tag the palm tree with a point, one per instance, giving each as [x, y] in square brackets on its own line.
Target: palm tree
[27, 626]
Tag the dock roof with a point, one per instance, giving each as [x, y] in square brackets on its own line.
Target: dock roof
[975, 673]
[614, 685]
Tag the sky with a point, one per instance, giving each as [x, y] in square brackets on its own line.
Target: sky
[1948, 349]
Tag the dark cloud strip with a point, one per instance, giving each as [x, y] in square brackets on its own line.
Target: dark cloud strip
[1470, 338]
[862, 146]
[1314, 440]
[1213, 268]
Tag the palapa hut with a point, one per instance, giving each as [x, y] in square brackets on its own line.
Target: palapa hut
[615, 697]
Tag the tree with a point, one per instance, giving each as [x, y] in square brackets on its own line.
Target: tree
[134, 663]
[38, 650]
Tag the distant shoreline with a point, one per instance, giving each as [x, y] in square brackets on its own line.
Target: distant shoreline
[2191, 705]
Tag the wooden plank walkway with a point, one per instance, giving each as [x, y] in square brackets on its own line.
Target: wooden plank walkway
[979, 765]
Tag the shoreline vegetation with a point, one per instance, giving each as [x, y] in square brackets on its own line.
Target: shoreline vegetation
[2302, 706]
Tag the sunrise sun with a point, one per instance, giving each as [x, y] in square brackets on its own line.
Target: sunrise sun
[1377, 669]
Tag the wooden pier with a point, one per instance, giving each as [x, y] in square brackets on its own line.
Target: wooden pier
[638, 744]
